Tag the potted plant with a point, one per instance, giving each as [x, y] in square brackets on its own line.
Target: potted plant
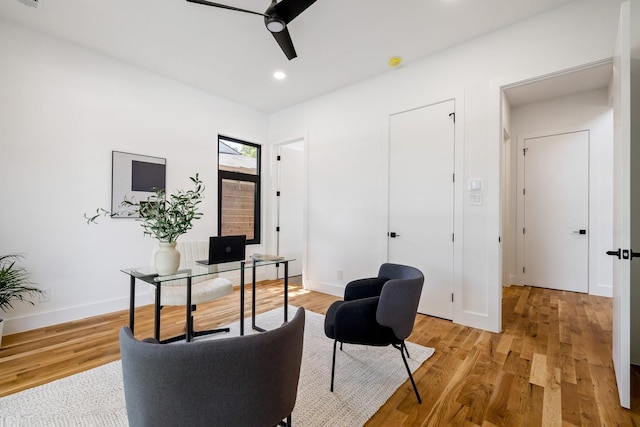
[164, 218]
[15, 285]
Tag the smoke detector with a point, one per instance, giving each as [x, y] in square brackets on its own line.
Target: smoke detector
[394, 61]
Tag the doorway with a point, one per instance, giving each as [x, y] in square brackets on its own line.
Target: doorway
[575, 103]
[578, 99]
[290, 203]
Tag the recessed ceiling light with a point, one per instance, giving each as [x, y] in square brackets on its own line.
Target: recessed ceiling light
[279, 75]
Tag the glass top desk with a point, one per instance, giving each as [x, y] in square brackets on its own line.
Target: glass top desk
[193, 269]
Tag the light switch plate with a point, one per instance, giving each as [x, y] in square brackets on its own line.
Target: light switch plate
[475, 184]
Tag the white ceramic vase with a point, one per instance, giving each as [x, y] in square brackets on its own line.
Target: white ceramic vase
[167, 259]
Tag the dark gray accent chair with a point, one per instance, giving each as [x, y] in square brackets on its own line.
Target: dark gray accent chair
[248, 381]
[377, 311]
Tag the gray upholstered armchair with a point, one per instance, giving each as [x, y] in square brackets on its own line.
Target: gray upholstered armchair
[377, 311]
[250, 380]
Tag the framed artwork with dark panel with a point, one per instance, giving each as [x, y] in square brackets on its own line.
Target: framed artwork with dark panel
[135, 177]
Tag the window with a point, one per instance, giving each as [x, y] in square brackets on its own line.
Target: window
[238, 188]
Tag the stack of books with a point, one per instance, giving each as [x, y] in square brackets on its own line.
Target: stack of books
[266, 257]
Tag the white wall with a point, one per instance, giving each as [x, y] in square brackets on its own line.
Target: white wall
[348, 139]
[63, 110]
[583, 111]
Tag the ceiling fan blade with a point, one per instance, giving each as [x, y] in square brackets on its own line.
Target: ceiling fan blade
[289, 9]
[224, 6]
[284, 40]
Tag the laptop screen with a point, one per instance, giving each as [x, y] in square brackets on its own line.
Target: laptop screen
[227, 248]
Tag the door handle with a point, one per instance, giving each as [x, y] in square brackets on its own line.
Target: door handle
[580, 232]
[624, 254]
[393, 235]
[614, 253]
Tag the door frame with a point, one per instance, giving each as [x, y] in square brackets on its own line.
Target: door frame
[497, 97]
[592, 224]
[460, 314]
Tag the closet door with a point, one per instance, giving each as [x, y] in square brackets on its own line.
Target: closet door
[556, 211]
[421, 200]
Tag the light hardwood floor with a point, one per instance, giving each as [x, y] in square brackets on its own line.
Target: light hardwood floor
[551, 365]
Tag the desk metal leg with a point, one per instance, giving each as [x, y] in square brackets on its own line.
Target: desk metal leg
[286, 291]
[156, 321]
[253, 299]
[242, 298]
[286, 296]
[132, 303]
[189, 314]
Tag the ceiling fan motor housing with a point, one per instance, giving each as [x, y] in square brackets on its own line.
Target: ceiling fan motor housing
[274, 23]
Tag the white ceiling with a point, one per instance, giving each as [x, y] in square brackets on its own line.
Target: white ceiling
[231, 54]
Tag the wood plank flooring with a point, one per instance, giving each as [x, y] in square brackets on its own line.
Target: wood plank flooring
[551, 365]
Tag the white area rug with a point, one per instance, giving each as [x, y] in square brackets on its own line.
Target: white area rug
[365, 378]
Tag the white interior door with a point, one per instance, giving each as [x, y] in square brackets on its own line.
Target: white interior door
[291, 184]
[556, 211]
[621, 91]
[421, 200]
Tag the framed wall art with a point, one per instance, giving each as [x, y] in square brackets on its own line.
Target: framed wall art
[135, 176]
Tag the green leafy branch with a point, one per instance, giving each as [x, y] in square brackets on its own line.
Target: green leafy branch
[164, 218]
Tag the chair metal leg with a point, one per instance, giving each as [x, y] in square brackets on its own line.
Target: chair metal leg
[209, 332]
[406, 365]
[188, 329]
[203, 333]
[333, 364]
[406, 349]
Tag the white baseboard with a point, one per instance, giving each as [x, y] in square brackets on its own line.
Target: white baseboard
[325, 288]
[601, 290]
[69, 314]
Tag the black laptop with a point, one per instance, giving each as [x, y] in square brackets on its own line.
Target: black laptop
[225, 249]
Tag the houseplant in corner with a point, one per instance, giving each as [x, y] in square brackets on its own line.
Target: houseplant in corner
[165, 218]
[15, 285]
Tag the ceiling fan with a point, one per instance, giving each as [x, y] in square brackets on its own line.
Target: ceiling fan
[276, 18]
